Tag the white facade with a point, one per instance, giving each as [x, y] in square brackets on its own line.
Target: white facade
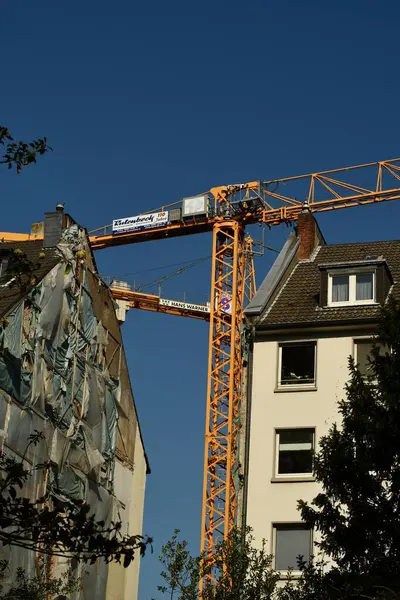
[318, 305]
[122, 584]
[272, 497]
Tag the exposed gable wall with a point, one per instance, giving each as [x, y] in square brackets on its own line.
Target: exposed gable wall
[63, 371]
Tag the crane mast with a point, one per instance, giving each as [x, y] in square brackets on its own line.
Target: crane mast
[233, 207]
[221, 477]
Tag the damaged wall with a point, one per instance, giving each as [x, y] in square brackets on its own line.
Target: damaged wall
[63, 371]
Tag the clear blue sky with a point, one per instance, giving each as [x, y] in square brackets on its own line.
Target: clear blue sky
[145, 103]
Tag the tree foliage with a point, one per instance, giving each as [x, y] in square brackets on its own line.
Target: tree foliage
[50, 526]
[242, 571]
[358, 467]
[21, 270]
[19, 154]
[181, 571]
[37, 588]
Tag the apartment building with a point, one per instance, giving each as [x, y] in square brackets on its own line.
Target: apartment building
[63, 372]
[318, 305]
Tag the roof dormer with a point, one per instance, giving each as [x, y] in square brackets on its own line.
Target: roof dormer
[357, 283]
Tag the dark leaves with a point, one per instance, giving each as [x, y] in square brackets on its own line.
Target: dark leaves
[242, 572]
[20, 154]
[41, 587]
[59, 528]
[358, 467]
[21, 272]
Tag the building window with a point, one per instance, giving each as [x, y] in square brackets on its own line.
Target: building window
[352, 288]
[362, 353]
[292, 541]
[294, 452]
[297, 363]
[362, 350]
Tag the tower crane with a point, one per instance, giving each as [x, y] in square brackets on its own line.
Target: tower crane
[226, 211]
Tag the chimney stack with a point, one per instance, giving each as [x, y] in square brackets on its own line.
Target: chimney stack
[307, 232]
[54, 224]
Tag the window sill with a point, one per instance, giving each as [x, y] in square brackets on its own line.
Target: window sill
[300, 479]
[296, 388]
[284, 575]
[350, 304]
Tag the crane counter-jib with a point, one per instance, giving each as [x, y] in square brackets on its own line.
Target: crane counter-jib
[194, 225]
[150, 234]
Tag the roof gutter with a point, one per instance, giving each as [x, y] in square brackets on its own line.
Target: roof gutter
[315, 325]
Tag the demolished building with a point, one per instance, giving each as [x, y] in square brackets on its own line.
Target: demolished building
[63, 371]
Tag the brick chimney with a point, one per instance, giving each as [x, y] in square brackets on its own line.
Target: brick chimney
[308, 233]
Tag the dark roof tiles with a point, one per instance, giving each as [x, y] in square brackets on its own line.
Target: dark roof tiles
[298, 300]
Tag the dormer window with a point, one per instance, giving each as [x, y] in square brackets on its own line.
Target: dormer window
[351, 288]
[356, 283]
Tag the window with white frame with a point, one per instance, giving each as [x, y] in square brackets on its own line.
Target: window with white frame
[294, 452]
[297, 364]
[292, 541]
[351, 288]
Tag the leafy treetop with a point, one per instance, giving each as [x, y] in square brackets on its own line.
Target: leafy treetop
[20, 154]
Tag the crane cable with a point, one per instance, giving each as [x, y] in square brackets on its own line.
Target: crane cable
[183, 266]
[187, 262]
[182, 269]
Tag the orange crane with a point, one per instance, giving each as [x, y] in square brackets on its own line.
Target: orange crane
[155, 303]
[226, 212]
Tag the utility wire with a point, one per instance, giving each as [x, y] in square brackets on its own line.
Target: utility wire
[261, 245]
[162, 267]
[174, 273]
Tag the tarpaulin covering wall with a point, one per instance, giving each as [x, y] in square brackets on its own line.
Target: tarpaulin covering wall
[54, 377]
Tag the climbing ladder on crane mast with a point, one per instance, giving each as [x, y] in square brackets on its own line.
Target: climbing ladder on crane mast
[226, 211]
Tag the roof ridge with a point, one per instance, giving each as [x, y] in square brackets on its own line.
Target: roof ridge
[361, 243]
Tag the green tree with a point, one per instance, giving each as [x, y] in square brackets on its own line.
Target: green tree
[56, 528]
[21, 270]
[358, 467]
[19, 154]
[242, 571]
[37, 588]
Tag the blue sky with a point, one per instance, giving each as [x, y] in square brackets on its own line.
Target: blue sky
[144, 103]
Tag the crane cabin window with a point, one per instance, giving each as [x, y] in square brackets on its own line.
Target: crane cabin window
[297, 364]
